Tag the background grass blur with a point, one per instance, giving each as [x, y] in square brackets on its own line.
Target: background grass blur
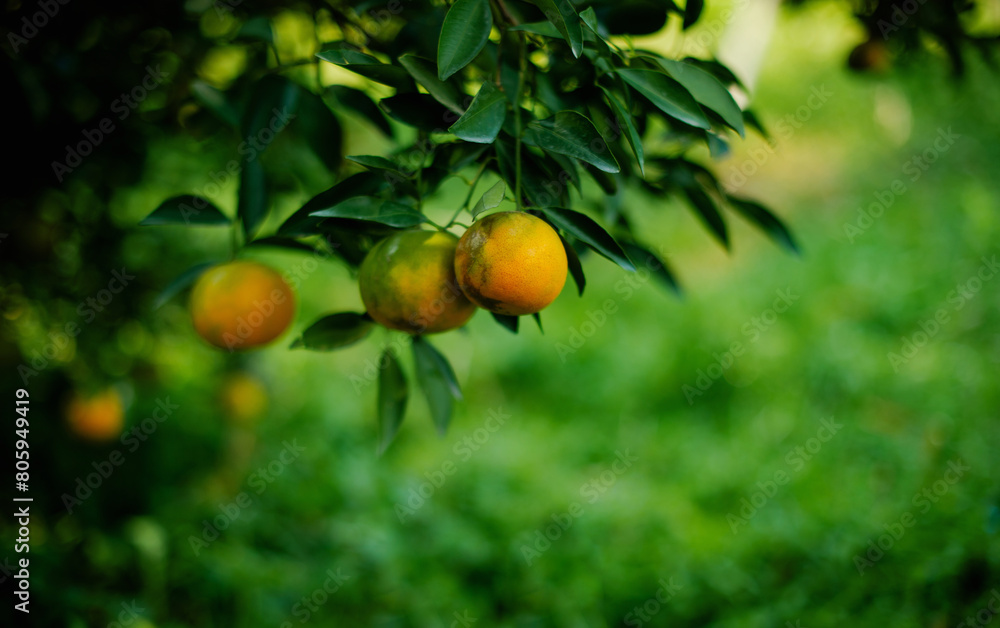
[460, 553]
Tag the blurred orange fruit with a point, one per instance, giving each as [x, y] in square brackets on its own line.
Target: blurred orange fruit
[97, 417]
[408, 283]
[240, 305]
[243, 397]
[511, 263]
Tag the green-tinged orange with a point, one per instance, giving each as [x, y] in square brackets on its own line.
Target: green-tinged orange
[241, 305]
[511, 263]
[97, 417]
[408, 283]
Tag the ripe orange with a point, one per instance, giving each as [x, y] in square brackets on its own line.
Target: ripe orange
[511, 263]
[97, 417]
[408, 283]
[241, 304]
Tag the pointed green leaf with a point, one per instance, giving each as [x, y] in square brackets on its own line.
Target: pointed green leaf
[186, 210]
[465, 31]
[302, 222]
[485, 116]
[572, 134]
[707, 90]
[490, 199]
[538, 320]
[438, 381]
[362, 104]
[392, 396]
[705, 207]
[374, 162]
[575, 267]
[320, 129]
[563, 16]
[545, 29]
[256, 28]
[272, 103]
[589, 17]
[424, 72]
[375, 210]
[767, 221]
[631, 132]
[180, 282]
[369, 67]
[335, 331]
[253, 202]
[585, 229]
[644, 258]
[668, 95]
[215, 101]
[421, 111]
[508, 321]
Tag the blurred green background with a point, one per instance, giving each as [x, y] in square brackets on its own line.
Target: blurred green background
[520, 515]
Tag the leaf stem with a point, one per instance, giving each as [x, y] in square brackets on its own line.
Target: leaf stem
[472, 189]
[522, 70]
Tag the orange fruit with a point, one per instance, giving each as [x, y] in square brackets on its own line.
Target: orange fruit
[241, 304]
[408, 283]
[243, 397]
[511, 263]
[97, 417]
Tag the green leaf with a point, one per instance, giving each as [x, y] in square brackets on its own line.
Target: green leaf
[421, 111]
[585, 229]
[544, 29]
[572, 134]
[645, 258]
[508, 321]
[320, 129]
[589, 17]
[707, 90]
[424, 72]
[392, 396]
[374, 162]
[438, 381]
[485, 116]
[253, 202]
[766, 220]
[490, 199]
[374, 210]
[215, 101]
[185, 210]
[692, 11]
[335, 331]
[302, 222]
[538, 320]
[575, 267]
[631, 133]
[668, 95]
[705, 207]
[180, 282]
[360, 103]
[563, 16]
[256, 28]
[283, 243]
[369, 67]
[751, 120]
[273, 102]
[465, 31]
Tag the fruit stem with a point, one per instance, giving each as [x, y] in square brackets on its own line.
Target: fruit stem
[523, 63]
[472, 189]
